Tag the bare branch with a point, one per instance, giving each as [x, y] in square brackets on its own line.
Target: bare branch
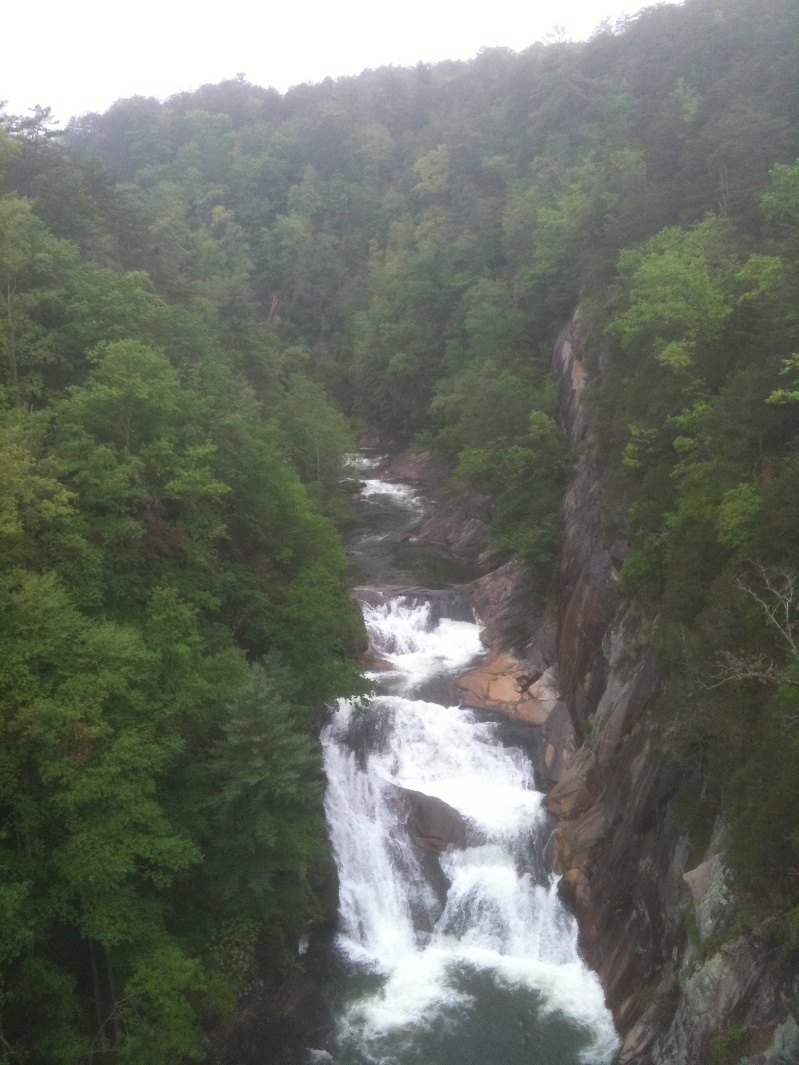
[776, 597]
[775, 594]
[748, 667]
[115, 1015]
[7, 1048]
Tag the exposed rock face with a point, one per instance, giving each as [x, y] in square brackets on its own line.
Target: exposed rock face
[589, 591]
[499, 683]
[430, 822]
[714, 903]
[506, 602]
[417, 467]
[458, 527]
[735, 983]
[518, 678]
[627, 871]
[784, 1047]
[584, 687]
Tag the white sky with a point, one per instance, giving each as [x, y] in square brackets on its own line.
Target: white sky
[81, 55]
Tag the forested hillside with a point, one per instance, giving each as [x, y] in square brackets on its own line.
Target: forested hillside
[172, 604]
[196, 296]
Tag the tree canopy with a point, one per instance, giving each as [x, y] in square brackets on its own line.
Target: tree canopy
[200, 298]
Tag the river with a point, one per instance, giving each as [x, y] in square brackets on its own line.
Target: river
[463, 956]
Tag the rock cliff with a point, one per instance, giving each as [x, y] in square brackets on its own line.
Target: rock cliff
[688, 984]
[659, 924]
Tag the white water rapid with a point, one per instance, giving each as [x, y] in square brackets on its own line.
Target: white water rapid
[465, 957]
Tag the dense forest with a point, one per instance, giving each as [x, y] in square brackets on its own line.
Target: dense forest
[203, 300]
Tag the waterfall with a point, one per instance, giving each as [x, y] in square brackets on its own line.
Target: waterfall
[459, 953]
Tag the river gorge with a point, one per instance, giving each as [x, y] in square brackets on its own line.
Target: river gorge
[507, 739]
[454, 944]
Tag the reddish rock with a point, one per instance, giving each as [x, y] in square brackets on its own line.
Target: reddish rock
[577, 787]
[498, 684]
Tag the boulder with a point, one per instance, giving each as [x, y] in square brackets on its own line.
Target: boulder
[500, 683]
[433, 827]
[431, 823]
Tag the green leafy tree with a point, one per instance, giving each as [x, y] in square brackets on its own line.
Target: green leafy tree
[317, 436]
[267, 840]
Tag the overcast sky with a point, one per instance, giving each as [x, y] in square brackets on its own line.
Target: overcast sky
[81, 55]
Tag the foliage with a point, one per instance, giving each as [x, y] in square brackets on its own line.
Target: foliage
[696, 333]
[728, 1047]
[527, 476]
[316, 436]
[196, 295]
[155, 546]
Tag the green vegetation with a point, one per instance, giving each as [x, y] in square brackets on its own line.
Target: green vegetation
[699, 333]
[172, 604]
[195, 299]
[729, 1047]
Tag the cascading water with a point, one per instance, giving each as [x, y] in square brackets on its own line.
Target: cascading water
[463, 957]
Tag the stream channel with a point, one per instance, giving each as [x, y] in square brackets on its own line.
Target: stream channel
[460, 953]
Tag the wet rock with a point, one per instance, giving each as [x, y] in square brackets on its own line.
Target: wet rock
[372, 662]
[367, 733]
[376, 594]
[430, 822]
[454, 603]
[519, 734]
[433, 827]
[575, 890]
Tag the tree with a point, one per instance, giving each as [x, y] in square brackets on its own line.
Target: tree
[317, 437]
[266, 841]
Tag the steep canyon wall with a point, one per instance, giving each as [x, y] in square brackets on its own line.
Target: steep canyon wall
[689, 982]
[717, 995]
